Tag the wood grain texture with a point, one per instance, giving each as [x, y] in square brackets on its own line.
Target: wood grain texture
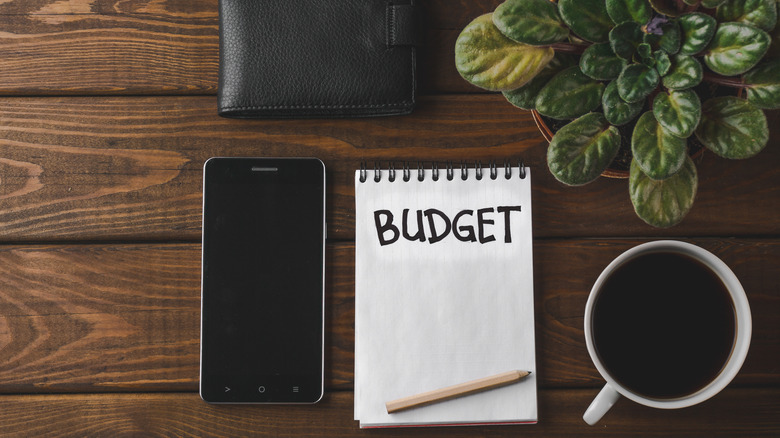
[99, 318]
[95, 168]
[734, 412]
[78, 47]
[124, 317]
[163, 47]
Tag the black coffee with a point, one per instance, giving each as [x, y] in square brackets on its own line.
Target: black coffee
[663, 325]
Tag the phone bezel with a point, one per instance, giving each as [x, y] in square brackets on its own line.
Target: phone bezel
[265, 162]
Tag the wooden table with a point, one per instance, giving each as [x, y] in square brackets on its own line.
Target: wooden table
[107, 114]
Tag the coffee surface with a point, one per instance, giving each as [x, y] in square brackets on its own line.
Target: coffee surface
[663, 325]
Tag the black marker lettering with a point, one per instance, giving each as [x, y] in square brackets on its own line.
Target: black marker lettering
[507, 226]
[435, 237]
[388, 226]
[481, 222]
[467, 232]
[469, 229]
[420, 231]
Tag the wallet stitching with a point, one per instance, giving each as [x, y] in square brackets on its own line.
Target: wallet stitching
[314, 106]
[390, 25]
[330, 106]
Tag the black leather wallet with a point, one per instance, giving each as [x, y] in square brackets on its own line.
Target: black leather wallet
[317, 58]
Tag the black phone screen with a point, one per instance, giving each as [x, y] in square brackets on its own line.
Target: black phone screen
[262, 280]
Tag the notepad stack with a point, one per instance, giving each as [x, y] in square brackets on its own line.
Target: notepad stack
[443, 295]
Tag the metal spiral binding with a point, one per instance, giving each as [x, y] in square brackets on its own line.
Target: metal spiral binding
[449, 170]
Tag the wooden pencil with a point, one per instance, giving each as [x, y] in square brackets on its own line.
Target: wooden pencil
[454, 391]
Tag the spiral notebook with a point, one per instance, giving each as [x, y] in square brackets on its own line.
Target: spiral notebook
[443, 292]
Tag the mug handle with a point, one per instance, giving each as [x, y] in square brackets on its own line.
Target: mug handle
[601, 404]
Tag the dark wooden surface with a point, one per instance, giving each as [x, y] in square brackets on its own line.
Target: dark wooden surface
[107, 113]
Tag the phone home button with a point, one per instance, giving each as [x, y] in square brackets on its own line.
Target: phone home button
[261, 389]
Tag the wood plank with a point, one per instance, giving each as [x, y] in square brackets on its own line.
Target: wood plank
[734, 412]
[99, 318]
[106, 54]
[142, 47]
[130, 167]
[122, 317]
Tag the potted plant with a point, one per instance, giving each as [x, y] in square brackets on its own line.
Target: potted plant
[633, 74]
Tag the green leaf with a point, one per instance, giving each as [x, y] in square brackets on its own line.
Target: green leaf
[657, 152]
[587, 18]
[736, 48]
[763, 84]
[600, 62]
[629, 10]
[534, 22]
[663, 35]
[625, 38]
[525, 96]
[616, 110]
[569, 94]
[697, 31]
[636, 82]
[732, 127]
[644, 50]
[671, 39]
[686, 72]
[488, 59]
[759, 13]
[581, 150]
[662, 62]
[672, 8]
[678, 111]
[663, 203]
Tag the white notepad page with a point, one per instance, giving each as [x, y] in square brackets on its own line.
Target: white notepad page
[430, 315]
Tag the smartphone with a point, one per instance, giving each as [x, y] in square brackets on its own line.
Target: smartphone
[263, 276]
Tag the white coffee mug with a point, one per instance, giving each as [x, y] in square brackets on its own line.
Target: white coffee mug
[743, 326]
